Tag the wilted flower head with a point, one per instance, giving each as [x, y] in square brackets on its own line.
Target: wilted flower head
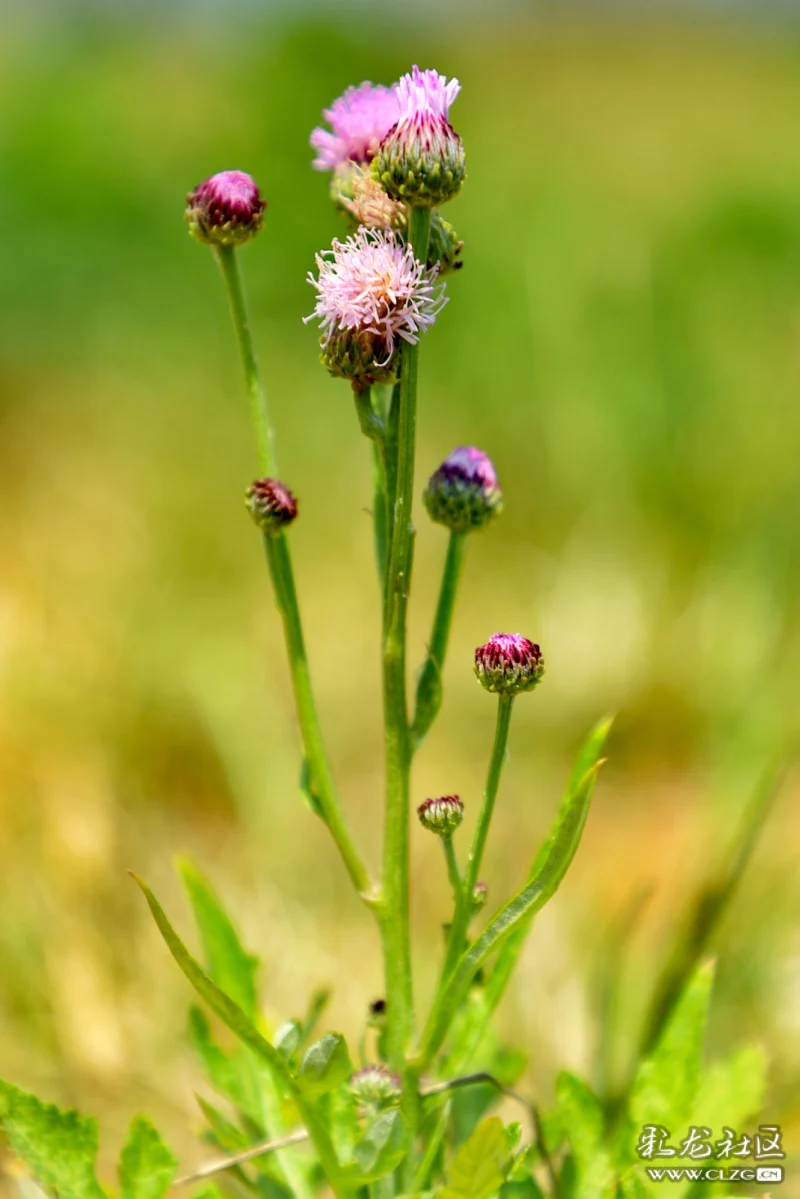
[509, 663]
[271, 504]
[421, 158]
[441, 815]
[225, 210]
[372, 293]
[359, 121]
[356, 190]
[463, 493]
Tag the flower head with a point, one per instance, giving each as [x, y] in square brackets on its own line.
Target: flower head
[372, 293]
[359, 121]
[509, 663]
[463, 493]
[421, 158]
[442, 815]
[376, 1086]
[271, 504]
[226, 209]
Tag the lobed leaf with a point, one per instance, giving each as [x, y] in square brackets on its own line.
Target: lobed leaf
[146, 1165]
[58, 1147]
[478, 1170]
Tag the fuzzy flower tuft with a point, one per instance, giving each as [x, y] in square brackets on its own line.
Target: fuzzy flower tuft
[372, 294]
[225, 210]
[509, 663]
[463, 493]
[376, 1087]
[421, 159]
[359, 121]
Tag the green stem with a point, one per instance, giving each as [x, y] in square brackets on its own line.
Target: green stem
[453, 872]
[259, 410]
[456, 942]
[395, 908]
[429, 687]
[280, 566]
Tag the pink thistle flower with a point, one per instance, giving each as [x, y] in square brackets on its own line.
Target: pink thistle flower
[359, 121]
[421, 159]
[372, 293]
[509, 663]
[225, 209]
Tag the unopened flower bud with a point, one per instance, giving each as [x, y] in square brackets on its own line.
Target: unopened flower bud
[463, 493]
[444, 246]
[225, 210]
[376, 1087]
[271, 504]
[421, 159]
[442, 815]
[508, 664]
[480, 893]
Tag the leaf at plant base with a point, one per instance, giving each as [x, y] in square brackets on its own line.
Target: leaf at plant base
[732, 1090]
[231, 1074]
[288, 1037]
[227, 963]
[522, 1188]
[583, 1121]
[58, 1147]
[380, 1149]
[666, 1084]
[326, 1064]
[478, 1169]
[232, 1015]
[146, 1165]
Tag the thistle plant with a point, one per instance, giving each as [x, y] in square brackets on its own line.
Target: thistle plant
[409, 1116]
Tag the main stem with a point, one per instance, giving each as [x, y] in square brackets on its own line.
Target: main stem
[280, 567]
[396, 925]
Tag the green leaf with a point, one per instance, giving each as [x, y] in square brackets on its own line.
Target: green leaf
[478, 1169]
[231, 1074]
[523, 1188]
[146, 1166]
[381, 1148]
[584, 1123]
[222, 1134]
[549, 871]
[732, 1090]
[666, 1084]
[227, 963]
[232, 1015]
[58, 1147]
[288, 1038]
[325, 1065]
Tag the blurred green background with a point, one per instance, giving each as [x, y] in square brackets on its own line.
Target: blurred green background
[624, 340]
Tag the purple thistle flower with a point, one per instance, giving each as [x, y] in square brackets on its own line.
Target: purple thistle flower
[225, 209]
[509, 663]
[463, 493]
[359, 121]
[372, 292]
[421, 159]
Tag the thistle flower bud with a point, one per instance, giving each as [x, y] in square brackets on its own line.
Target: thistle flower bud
[225, 210]
[480, 893]
[508, 664]
[442, 815]
[444, 246]
[421, 159]
[376, 1087]
[271, 505]
[463, 493]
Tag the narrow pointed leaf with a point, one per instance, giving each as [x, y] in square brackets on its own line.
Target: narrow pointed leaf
[232, 1015]
[516, 915]
[227, 963]
[584, 1122]
[146, 1166]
